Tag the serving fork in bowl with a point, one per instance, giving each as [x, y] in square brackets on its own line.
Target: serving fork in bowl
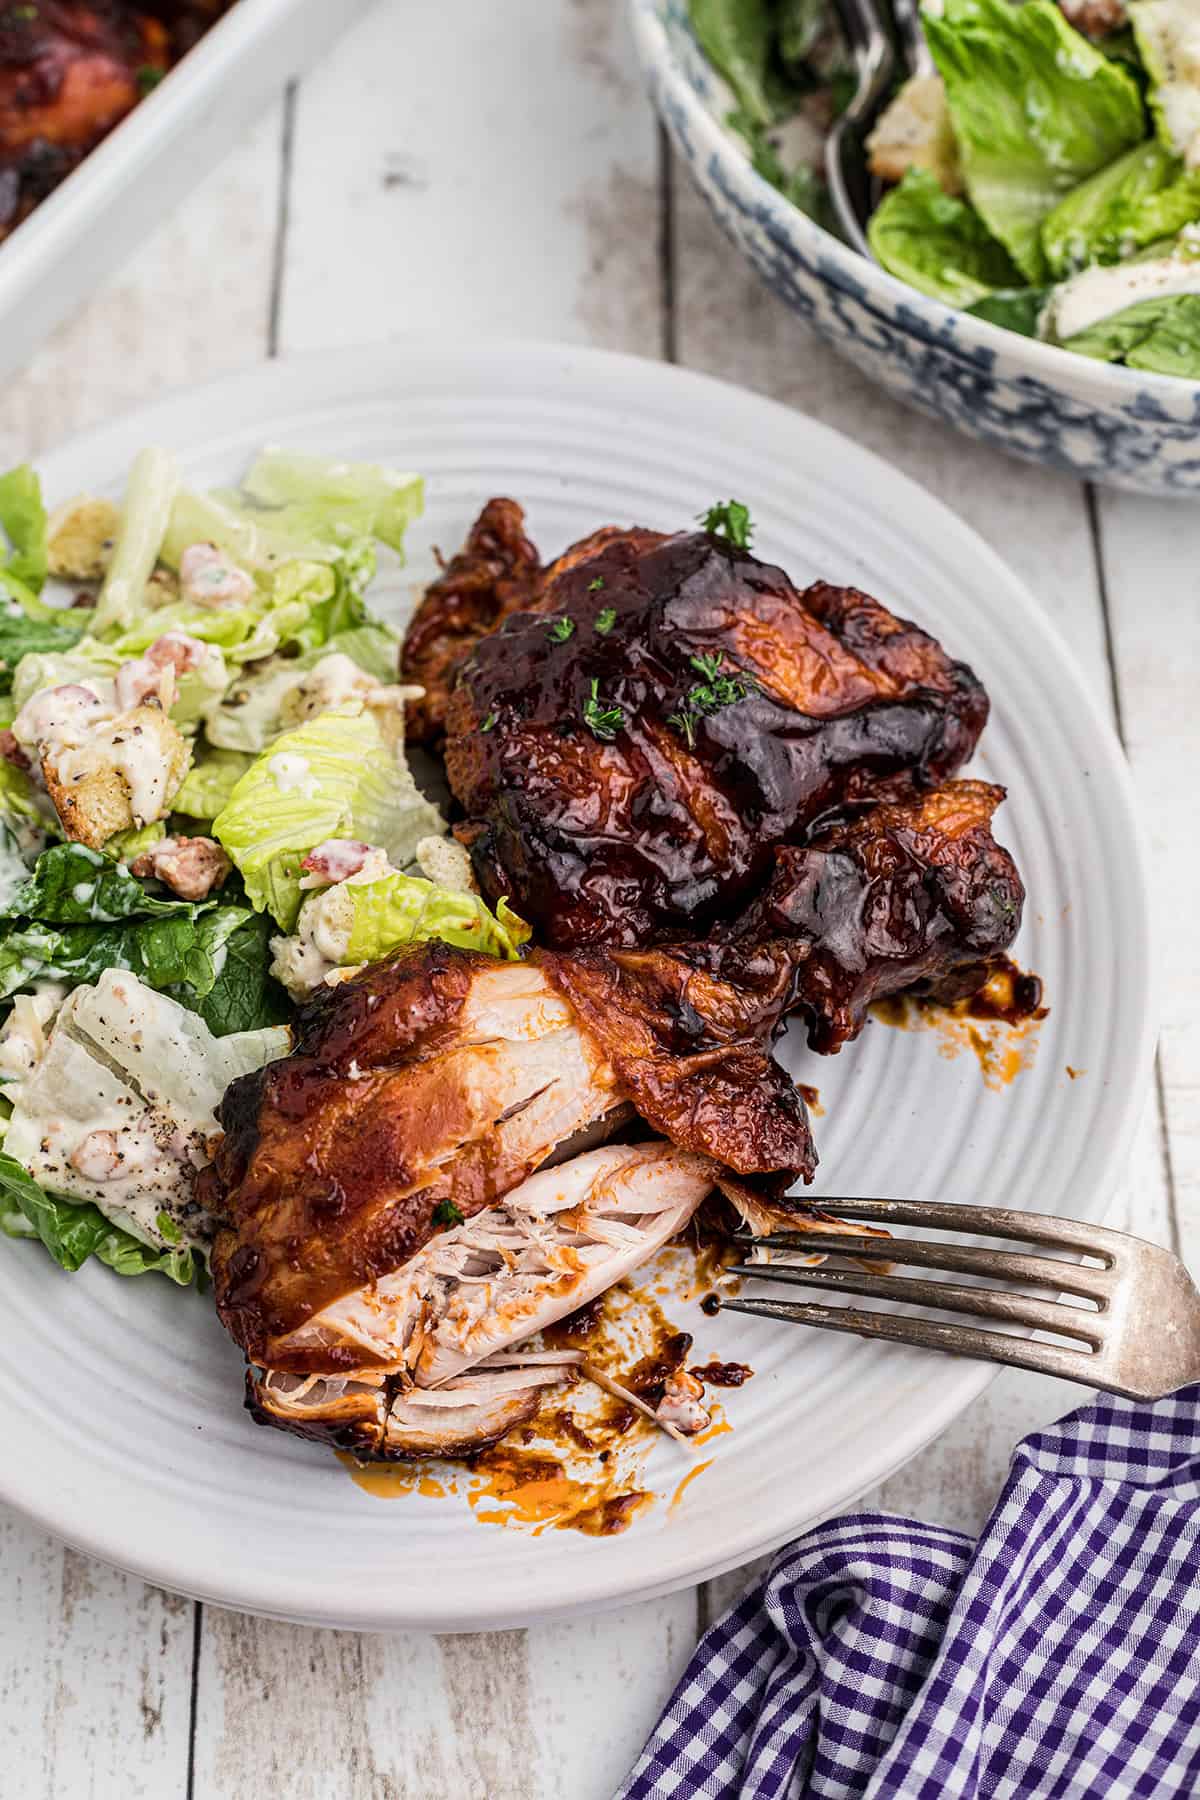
[1137, 1332]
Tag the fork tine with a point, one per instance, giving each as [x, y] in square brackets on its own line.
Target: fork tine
[981, 1221]
[951, 1296]
[926, 1334]
[959, 1259]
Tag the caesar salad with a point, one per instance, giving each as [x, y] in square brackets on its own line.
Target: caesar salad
[206, 814]
[1044, 176]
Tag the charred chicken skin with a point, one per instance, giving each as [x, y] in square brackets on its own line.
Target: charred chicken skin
[630, 752]
[496, 572]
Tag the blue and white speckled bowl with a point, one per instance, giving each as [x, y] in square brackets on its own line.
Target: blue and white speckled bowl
[1096, 420]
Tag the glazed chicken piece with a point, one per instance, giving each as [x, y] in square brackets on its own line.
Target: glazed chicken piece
[630, 753]
[497, 571]
[418, 1095]
[69, 71]
[916, 896]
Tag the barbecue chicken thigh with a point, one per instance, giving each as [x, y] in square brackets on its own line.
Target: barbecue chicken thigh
[630, 752]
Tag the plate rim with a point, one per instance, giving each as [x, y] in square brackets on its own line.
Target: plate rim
[387, 366]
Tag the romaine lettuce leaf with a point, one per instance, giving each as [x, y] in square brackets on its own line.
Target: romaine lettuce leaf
[184, 950]
[72, 885]
[736, 36]
[1166, 36]
[21, 636]
[1036, 109]
[937, 244]
[249, 718]
[145, 513]
[23, 524]
[334, 777]
[25, 810]
[405, 909]
[1141, 197]
[146, 1074]
[209, 782]
[1017, 309]
[72, 1231]
[324, 498]
[244, 995]
[1161, 336]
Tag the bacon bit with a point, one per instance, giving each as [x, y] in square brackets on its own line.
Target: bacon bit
[190, 866]
[334, 860]
[176, 650]
[11, 751]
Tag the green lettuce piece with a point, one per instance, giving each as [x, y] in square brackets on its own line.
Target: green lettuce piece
[1017, 309]
[25, 811]
[145, 513]
[736, 36]
[73, 1231]
[938, 244]
[72, 885]
[1161, 336]
[249, 719]
[209, 782]
[23, 523]
[1143, 196]
[800, 27]
[22, 636]
[244, 996]
[334, 777]
[126, 846]
[122, 1057]
[1165, 33]
[186, 950]
[324, 498]
[1036, 110]
[405, 909]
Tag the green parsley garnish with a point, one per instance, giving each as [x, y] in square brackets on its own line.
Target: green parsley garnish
[718, 689]
[148, 77]
[595, 586]
[605, 620]
[729, 519]
[22, 14]
[488, 722]
[602, 721]
[446, 1213]
[561, 630]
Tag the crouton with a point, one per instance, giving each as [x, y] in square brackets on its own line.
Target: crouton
[79, 539]
[914, 132]
[126, 774]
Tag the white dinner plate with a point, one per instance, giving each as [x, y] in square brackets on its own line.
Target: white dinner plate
[121, 1428]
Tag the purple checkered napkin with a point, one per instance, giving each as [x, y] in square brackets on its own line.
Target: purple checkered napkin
[1056, 1659]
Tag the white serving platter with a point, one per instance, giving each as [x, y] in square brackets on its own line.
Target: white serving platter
[121, 1428]
[131, 181]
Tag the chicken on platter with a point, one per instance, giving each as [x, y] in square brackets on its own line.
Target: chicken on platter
[72, 69]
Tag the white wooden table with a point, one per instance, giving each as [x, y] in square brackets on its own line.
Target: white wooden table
[487, 169]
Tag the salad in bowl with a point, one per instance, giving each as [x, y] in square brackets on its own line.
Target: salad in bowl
[1042, 174]
[1033, 278]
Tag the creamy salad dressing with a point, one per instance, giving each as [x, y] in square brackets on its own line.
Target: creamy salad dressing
[292, 774]
[1101, 292]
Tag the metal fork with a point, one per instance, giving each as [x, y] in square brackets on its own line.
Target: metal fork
[1142, 1339]
[851, 189]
